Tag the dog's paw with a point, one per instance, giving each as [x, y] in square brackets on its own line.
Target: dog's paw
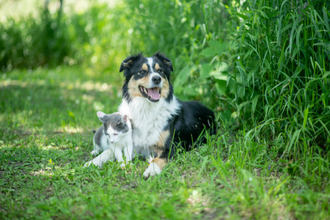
[152, 170]
[122, 165]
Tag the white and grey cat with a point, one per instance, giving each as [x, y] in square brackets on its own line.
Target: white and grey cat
[113, 138]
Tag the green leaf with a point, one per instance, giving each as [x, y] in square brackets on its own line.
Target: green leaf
[326, 20]
[254, 103]
[208, 52]
[240, 106]
[206, 69]
[242, 16]
[221, 86]
[220, 68]
[305, 117]
[298, 36]
[326, 75]
[182, 76]
[281, 60]
[219, 47]
[71, 115]
[251, 73]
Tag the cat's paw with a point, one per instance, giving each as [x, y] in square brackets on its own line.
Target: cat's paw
[152, 170]
[94, 152]
[96, 163]
[87, 164]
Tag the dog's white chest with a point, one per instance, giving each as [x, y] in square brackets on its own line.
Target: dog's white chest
[149, 120]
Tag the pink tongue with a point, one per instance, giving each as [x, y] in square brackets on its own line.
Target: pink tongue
[153, 93]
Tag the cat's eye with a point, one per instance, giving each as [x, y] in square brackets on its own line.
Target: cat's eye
[115, 134]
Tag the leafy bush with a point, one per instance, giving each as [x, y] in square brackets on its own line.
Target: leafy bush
[91, 37]
[262, 65]
[32, 42]
[280, 81]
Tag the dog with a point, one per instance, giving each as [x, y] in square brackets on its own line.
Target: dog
[160, 121]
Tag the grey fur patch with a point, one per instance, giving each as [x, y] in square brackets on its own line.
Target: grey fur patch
[98, 136]
[116, 121]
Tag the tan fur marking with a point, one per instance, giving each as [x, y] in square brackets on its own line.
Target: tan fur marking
[133, 86]
[165, 89]
[157, 67]
[163, 137]
[145, 67]
[160, 162]
[127, 63]
[159, 147]
[167, 63]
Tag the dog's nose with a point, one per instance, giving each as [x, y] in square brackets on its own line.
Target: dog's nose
[156, 79]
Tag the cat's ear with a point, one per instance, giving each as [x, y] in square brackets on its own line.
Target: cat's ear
[125, 118]
[101, 115]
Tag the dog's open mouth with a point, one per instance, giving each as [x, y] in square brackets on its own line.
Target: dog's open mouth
[153, 94]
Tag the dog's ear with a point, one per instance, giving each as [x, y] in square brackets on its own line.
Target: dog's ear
[128, 62]
[165, 60]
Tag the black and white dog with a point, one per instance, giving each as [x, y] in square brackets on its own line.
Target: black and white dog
[159, 119]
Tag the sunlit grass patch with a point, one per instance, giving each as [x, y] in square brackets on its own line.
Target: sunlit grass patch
[40, 101]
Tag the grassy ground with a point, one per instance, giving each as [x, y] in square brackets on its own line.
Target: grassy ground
[46, 117]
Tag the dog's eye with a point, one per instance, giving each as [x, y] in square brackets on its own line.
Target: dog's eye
[159, 70]
[115, 134]
[142, 71]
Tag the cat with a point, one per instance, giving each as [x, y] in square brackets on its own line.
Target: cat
[114, 137]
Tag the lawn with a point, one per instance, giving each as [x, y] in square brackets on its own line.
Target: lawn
[46, 118]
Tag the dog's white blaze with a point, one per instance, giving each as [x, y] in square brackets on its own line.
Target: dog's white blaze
[149, 120]
[150, 62]
[153, 73]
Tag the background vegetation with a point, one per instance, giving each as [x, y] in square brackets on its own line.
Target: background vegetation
[262, 66]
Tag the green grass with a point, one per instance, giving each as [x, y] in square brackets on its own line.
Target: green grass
[46, 117]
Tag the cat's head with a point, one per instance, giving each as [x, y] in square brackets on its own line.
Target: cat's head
[115, 125]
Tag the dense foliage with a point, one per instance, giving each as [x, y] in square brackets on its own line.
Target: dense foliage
[263, 65]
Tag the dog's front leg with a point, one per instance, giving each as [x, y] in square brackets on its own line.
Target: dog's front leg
[162, 148]
[155, 167]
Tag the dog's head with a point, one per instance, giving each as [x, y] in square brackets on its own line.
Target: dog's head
[147, 77]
